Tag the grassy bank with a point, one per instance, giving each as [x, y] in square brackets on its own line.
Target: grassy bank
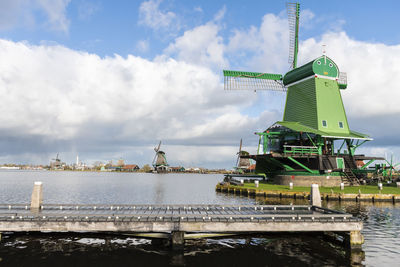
[364, 189]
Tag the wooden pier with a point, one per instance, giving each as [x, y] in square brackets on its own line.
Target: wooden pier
[176, 220]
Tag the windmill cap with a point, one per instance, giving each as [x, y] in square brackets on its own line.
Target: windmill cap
[321, 66]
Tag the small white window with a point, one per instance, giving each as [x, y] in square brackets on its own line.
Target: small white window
[324, 123]
[340, 124]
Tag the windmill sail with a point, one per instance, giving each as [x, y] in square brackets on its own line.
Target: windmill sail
[342, 80]
[242, 80]
[240, 150]
[293, 12]
[156, 149]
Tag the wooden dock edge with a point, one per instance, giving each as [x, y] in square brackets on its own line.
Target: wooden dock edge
[306, 195]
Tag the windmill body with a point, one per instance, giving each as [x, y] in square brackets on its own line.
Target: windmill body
[56, 164]
[313, 143]
[243, 161]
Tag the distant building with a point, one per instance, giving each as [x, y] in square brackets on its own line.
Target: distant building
[176, 169]
[252, 168]
[130, 168]
[120, 163]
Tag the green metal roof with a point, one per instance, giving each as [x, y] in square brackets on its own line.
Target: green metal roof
[298, 127]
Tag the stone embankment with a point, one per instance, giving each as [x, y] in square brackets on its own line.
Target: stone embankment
[238, 190]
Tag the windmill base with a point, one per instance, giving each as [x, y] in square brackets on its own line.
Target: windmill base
[307, 180]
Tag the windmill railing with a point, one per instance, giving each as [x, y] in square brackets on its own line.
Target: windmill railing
[300, 150]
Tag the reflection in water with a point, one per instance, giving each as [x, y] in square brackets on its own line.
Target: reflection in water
[100, 250]
[381, 226]
[159, 185]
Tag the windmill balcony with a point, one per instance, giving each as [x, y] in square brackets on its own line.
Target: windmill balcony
[300, 150]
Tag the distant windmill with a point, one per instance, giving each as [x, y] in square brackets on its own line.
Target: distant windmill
[242, 164]
[56, 164]
[160, 163]
[57, 159]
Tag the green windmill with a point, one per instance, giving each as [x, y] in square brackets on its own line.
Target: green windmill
[301, 148]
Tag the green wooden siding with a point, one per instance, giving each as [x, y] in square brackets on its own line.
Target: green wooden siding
[330, 106]
[314, 100]
[301, 104]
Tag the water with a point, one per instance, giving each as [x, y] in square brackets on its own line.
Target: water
[381, 226]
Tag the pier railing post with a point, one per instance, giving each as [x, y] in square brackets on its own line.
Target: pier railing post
[356, 239]
[315, 196]
[37, 196]
[177, 240]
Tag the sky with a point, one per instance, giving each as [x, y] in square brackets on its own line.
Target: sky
[108, 79]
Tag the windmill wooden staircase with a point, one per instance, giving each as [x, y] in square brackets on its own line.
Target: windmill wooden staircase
[349, 178]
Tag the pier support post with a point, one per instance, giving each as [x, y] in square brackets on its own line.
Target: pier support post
[315, 196]
[380, 186]
[356, 239]
[37, 196]
[177, 240]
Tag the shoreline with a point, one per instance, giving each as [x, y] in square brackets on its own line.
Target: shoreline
[246, 191]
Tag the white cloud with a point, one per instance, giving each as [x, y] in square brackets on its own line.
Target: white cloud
[151, 15]
[201, 45]
[220, 14]
[23, 13]
[11, 12]
[142, 46]
[307, 19]
[56, 13]
[191, 156]
[55, 94]
[263, 48]
[87, 9]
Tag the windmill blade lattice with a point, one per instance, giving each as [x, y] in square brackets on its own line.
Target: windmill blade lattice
[241, 80]
[342, 80]
[293, 12]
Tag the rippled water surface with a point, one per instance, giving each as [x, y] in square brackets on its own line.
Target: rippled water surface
[381, 226]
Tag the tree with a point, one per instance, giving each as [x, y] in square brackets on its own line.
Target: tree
[146, 168]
